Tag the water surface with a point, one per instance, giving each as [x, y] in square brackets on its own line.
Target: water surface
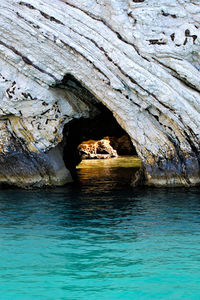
[100, 240]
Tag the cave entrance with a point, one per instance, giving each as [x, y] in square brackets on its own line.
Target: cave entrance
[98, 148]
[96, 140]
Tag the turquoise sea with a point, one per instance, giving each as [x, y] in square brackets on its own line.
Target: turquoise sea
[100, 239]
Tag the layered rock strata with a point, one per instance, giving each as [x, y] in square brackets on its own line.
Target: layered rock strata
[139, 58]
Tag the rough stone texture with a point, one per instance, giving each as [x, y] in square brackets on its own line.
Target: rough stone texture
[96, 149]
[123, 145]
[139, 58]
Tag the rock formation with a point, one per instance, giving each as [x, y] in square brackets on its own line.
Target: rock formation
[60, 58]
[106, 148]
[123, 145]
[101, 149]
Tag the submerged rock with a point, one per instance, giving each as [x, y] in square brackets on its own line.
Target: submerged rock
[60, 59]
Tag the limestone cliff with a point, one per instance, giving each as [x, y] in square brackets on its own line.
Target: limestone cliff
[140, 58]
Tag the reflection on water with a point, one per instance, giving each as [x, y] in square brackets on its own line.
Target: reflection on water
[100, 242]
[107, 174]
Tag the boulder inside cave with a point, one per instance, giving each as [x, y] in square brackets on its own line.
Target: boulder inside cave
[108, 147]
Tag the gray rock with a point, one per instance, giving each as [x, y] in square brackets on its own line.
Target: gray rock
[139, 58]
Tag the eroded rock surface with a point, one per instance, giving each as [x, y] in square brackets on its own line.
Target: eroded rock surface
[139, 58]
[97, 149]
[123, 145]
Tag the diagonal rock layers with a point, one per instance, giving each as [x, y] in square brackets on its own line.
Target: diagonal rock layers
[59, 59]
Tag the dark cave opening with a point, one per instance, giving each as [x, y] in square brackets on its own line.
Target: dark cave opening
[101, 126]
[98, 127]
